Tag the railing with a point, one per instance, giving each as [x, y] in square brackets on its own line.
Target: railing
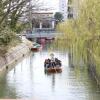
[42, 34]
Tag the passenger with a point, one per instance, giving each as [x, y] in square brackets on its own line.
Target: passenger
[45, 63]
[49, 63]
[58, 62]
[52, 56]
[52, 60]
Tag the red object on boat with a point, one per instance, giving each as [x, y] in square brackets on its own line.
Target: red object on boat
[54, 70]
[36, 47]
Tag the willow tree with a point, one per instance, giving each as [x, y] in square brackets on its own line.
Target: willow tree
[83, 34]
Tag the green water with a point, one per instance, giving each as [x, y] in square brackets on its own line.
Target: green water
[28, 80]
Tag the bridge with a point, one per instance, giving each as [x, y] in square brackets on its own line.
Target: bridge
[43, 34]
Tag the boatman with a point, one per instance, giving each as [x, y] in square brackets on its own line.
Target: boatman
[52, 60]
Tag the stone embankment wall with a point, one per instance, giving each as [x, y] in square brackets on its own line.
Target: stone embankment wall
[14, 54]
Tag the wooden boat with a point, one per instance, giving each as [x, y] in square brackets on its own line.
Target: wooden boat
[36, 47]
[54, 70]
[53, 67]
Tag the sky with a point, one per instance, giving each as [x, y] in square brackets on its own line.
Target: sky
[53, 4]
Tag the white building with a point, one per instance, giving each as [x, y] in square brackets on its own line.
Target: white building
[63, 8]
[43, 20]
[74, 8]
[70, 9]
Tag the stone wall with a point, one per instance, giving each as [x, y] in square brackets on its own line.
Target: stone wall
[14, 54]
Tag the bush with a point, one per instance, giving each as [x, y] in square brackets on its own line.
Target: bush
[6, 36]
[7, 39]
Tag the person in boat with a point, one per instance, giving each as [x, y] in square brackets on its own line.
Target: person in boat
[52, 60]
[47, 63]
[58, 62]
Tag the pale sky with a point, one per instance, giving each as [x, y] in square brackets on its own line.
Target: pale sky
[52, 4]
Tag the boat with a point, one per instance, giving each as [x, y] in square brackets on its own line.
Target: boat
[53, 70]
[53, 65]
[36, 47]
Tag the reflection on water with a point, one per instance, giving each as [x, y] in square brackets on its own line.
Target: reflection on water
[28, 80]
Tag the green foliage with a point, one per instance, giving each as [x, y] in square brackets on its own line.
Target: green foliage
[83, 34]
[58, 16]
[10, 13]
[19, 27]
[6, 36]
[7, 39]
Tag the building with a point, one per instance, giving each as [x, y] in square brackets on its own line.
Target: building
[43, 20]
[73, 8]
[70, 9]
[63, 8]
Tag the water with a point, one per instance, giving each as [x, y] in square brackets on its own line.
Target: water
[28, 80]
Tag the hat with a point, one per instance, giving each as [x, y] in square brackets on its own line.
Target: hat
[51, 54]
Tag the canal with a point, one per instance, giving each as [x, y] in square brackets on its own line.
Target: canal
[28, 80]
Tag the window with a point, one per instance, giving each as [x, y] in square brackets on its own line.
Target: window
[70, 9]
[70, 16]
